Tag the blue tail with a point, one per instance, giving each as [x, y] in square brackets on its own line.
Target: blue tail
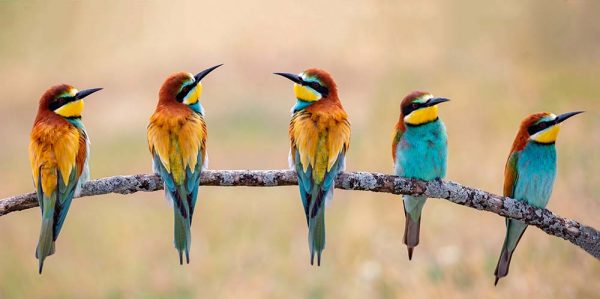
[45, 245]
[183, 196]
[182, 224]
[182, 236]
[316, 236]
[314, 196]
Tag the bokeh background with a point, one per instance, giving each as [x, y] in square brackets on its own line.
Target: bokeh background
[498, 61]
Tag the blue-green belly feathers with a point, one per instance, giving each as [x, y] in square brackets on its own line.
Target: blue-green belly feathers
[535, 172]
[422, 152]
[536, 169]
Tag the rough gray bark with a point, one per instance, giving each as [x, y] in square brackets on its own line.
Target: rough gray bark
[583, 236]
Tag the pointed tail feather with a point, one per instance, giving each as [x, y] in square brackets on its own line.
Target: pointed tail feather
[413, 207]
[503, 264]
[411, 234]
[45, 245]
[182, 235]
[316, 236]
[514, 232]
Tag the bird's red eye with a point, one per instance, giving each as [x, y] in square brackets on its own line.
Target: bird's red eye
[415, 105]
[543, 125]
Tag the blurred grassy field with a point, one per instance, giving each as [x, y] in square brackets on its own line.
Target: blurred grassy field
[497, 62]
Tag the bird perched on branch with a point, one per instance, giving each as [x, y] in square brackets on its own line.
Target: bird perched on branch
[529, 174]
[58, 152]
[419, 149]
[320, 135]
[177, 141]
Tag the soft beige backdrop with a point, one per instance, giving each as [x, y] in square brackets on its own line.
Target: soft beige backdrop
[497, 61]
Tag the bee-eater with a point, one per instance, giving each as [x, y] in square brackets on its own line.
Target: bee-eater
[419, 149]
[320, 135]
[58, 152]
[177, 141]
[529, 174]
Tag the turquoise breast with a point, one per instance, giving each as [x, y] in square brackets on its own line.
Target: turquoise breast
[536, 170]
[422, 151]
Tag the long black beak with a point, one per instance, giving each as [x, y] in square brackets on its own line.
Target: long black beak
[86, 92]
[435, 101]
[205, 72]
[566, 116]
[294, 78]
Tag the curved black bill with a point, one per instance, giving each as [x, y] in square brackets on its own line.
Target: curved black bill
[293, 77]
[86, 92]
[205, 72]
[566, 116]
[435, 101]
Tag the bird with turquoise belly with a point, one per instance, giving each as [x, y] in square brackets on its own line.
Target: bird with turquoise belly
[419, 150]
[529, 174]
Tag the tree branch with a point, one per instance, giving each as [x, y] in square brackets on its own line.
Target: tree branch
[583, 236]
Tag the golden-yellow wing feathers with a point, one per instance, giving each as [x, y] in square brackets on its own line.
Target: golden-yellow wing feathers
[319, 137]
[56, 146]
[177, 136]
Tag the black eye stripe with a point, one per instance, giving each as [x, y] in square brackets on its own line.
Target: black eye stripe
[412, 107]
[539, 127]
[184, 91]
[318, 87]
[59, 102]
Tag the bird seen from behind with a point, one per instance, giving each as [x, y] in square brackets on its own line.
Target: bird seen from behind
[320, 136]
[177, 141]
[58, 152]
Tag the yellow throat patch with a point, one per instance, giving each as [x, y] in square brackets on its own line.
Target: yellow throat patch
[194, 95]
[305, 94]
[547, 136]
[421, 116]
[72, 109]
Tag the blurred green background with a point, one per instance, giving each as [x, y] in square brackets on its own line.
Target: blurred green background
[498, 61]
